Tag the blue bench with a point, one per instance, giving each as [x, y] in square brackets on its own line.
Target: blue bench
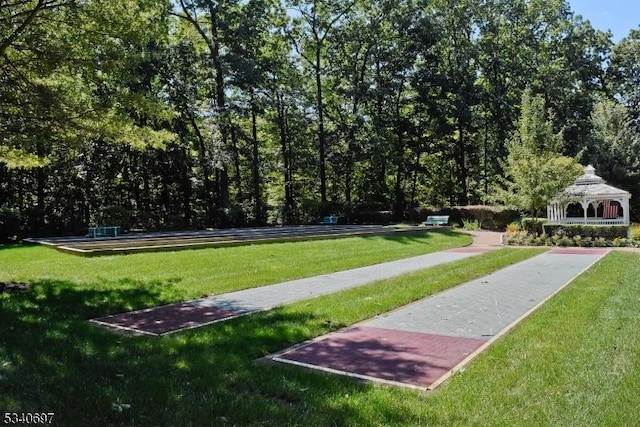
[437, 220]
[329, 220]
[104, 231]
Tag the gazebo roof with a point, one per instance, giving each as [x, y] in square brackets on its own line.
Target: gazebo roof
[591, 185]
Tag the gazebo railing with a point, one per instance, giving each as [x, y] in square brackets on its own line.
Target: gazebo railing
[588, 221]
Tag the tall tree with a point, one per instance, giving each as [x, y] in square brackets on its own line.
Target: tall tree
[316, 21]
[624, 72]
[536, 172]
[211, 20]
[614, 144]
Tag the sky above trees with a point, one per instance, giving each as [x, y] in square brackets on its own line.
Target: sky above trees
[619, 16]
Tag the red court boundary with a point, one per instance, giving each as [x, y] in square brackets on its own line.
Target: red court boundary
[170, 318]
[384, 355]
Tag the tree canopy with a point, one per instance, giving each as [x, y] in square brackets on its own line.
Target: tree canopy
[535, 170]
[202, 113]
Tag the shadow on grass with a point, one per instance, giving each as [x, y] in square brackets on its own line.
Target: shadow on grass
[52, 359]
[7, 246]
[421, 235]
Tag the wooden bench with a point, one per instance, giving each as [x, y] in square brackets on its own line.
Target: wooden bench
[104, 231]
[329, 220]
[437, 220]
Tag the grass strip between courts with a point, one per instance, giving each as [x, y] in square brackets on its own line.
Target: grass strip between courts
[207, 375]
[183, 275]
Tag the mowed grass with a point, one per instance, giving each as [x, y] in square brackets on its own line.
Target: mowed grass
[191, 273]
[573, 362]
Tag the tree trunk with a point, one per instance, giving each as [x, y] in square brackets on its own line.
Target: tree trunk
[223, 182]
[255, 161]
[204, 166]
[285, 147]
[236, 165]
[322, 144]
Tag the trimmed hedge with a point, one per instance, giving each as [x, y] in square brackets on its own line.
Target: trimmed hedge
[489, 217]
[609, 232]
[533, 227]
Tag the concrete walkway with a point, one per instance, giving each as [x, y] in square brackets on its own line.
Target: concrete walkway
[420, 345]
[200, 312]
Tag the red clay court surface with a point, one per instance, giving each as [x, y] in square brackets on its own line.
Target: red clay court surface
[169, 318]
[393, 356]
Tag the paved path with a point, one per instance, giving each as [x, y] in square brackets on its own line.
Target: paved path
[421, 344]
[196, 313]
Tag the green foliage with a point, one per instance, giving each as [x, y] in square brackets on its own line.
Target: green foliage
[10, 224]
[533, 225]
[113, 215]
[535, 170]
[68, 74]
[471, 224]
[613, 145]
[571, 235]
[206, 113]
[488, 217]
[609, 232]
[634, 232]
[624, 70]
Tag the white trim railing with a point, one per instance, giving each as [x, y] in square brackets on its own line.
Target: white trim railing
[589, 221]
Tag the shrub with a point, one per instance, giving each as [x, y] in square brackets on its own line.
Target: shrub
[599, 242]
[471, 224]
[562, 237]
[513, 227]
[368, 217]
[634, 232]
[608, 232]
[9, 224]
[487, 217]
[534, 226]
[519, 238]
[419, 214]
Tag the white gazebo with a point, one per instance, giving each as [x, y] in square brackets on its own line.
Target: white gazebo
[590, 201]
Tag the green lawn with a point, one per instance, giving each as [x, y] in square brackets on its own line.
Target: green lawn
[574, 362]
[189, 274]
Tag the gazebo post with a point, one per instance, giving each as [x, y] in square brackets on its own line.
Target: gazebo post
[626, 215]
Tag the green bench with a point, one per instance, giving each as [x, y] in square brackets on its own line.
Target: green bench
[329, 220]
[437, 220]
[104, 231]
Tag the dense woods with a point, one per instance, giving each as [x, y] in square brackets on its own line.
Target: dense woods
[201, 113]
